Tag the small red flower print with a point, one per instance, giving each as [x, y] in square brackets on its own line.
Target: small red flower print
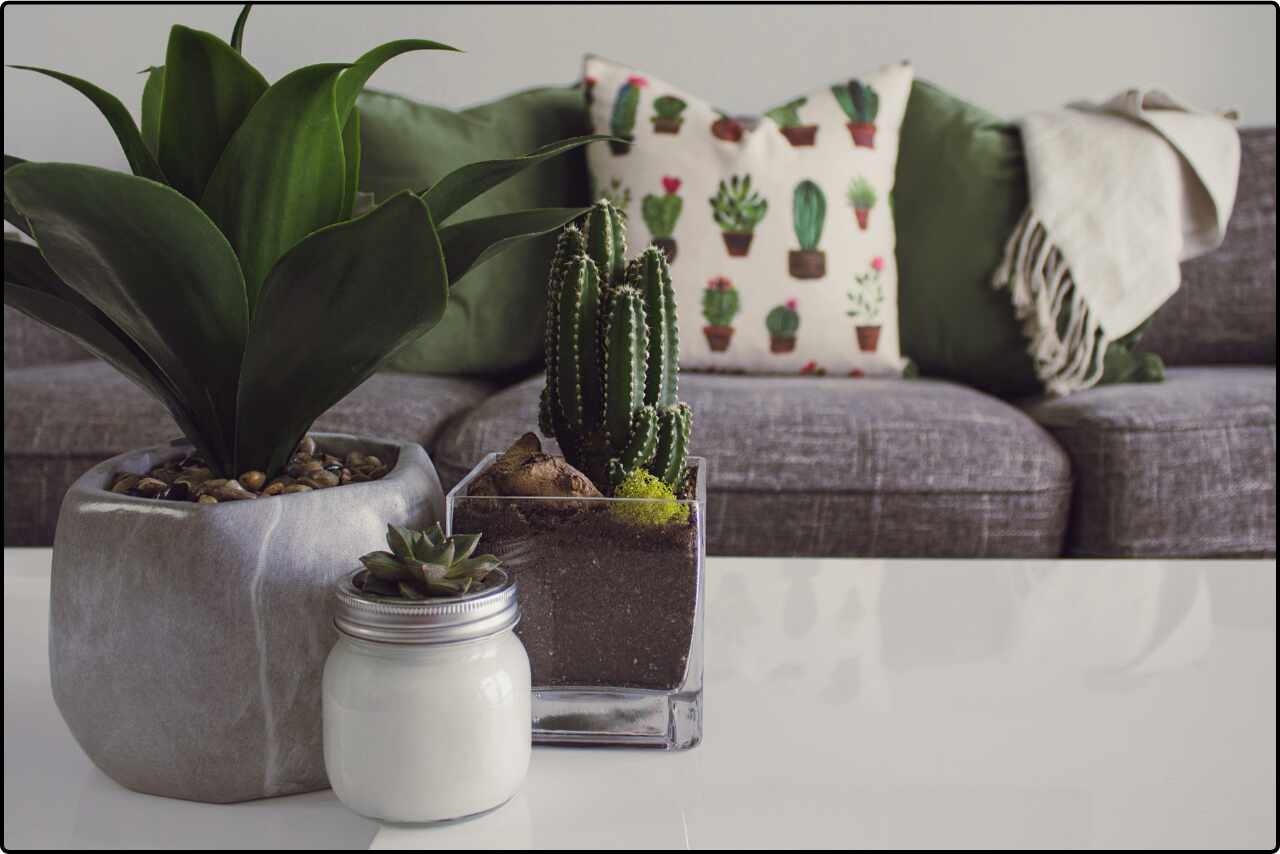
[719, 283]
[589, 80]
[877, 263]
[792, 304]
[638, 81]
[809, 368]
[857, 374]
[670, 184]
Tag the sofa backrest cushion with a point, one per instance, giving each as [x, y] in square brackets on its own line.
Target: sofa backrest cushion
[28, 342]
[1225, 311]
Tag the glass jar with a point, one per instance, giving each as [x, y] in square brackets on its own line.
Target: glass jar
[426, 703]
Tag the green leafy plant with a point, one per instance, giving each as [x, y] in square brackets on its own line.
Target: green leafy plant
[661, 212]
[617, 194]
[862, 196]
[859, 101]
[424, 564]
[787, 115]
[783, 321]
[735, 208]
[667, 110]
[227, 275]
[720, 302]
[611, 395]
[657, 507]
[809, 213]
[867, 295]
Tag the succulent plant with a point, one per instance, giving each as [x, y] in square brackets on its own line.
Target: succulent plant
[809, 213]
[783, 321]
[661, 212]
[612, 356]
[787, 115]
[668, 107]
[622, 122]
[735, 208]
[224, 275]
[858, 100]
[720, 303]
[867, 296]
[861, 194]
[424, 564]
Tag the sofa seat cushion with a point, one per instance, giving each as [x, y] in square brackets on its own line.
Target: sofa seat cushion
[833, 467]
[59, 420]
[1183, 468]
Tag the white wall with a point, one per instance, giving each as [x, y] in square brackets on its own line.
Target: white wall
[744, 58]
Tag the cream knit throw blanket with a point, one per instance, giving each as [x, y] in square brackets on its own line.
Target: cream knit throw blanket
[1120, 193]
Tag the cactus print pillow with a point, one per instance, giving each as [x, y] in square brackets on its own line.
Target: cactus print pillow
[780, 232]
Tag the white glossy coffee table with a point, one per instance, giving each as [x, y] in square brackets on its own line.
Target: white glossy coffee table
[849, 703]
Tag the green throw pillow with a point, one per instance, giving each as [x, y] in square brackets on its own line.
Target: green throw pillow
[493, 324]
[961, 186]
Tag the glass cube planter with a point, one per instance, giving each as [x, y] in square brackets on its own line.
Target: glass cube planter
[611, 608]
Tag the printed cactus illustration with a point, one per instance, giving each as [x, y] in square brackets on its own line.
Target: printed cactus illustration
[660, 215]
[623, 120]
[666, 117]
[737, 210]
[862, 198]
[787, 118]
[865, 301]
[861, 103]
[783, 322]
[727, 128]
[809, 213]
[720, 305]
[618, 195]
[612, 352]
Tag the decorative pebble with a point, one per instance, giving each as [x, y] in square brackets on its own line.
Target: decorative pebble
[253, 480]
[296, 487]
[206, 499]
[150, 487]
[125, 482]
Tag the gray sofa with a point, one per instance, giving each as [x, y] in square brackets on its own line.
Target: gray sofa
[830, 467]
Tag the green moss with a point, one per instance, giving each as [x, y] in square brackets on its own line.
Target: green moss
[661, 510]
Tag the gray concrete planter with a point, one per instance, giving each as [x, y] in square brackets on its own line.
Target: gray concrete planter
[186, 642]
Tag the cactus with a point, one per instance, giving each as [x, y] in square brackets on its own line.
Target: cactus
[612, 357]
[667, 118]
[862, 196]
[720, 302]
[787, 115]
[783, 321]
[735, 208]
[809, 212]
[622, 122]
[859, 101]
[661, 212]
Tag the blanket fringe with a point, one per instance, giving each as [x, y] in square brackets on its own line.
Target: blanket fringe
[1067, 350]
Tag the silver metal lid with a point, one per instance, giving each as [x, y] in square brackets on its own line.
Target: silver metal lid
[486, 612]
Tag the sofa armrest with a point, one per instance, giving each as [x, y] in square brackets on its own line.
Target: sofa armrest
[28, 342]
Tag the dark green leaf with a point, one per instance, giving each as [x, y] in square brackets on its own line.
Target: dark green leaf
[378, 586]
[11, 214]
[463, 184]
[464, 545]
[135, 150]
[209, 89]
[363, 288]
[432, 572]
[471, 243]
[382, 565]
[351, 152]
[411, 591]
[476, 567]
[400, 540]
[150, 260]
[237, 34]
[353, 80]
[32, 287]
[152, 104]
[282, 175]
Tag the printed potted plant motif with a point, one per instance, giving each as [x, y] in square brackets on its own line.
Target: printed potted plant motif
[862, 198]
[787, 118]
[865, 301]
[622, 122]
[861, 104]
[667, 118]
[737, 210]
[783, 322]
[727, 128]
[809, 213]
[618, 195]
[660, 215]
[720, 305]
